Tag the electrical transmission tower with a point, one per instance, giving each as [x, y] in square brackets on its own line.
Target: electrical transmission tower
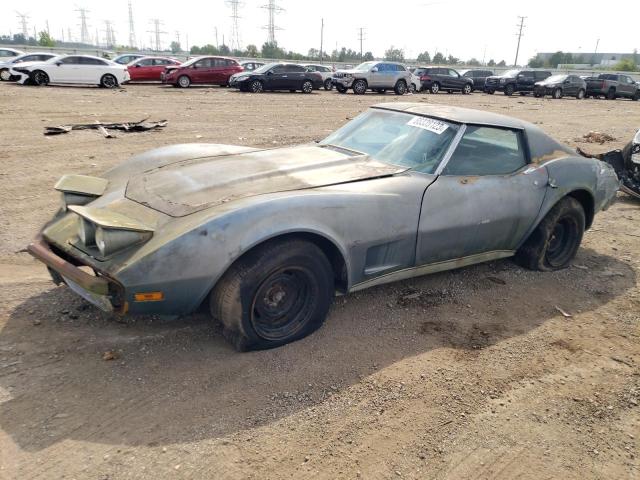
[235, 29]
[132, 31]
[519, 35]
[272, 8]
[109, 34]
[84, 30]
[23, 24]
[157, 32]
[361, 38]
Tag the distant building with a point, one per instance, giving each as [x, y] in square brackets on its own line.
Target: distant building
[592, 58]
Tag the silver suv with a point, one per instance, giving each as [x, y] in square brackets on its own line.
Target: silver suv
[376, 76]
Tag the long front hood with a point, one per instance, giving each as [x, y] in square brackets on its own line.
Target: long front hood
[187, 186]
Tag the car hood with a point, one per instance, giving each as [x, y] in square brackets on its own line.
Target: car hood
[190, 185]
[352, 71]
[26, 64]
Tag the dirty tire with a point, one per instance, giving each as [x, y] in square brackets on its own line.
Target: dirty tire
[341, 89]
[359, 87]
[581, 94]
[490, 92]
[509, 89]
[555, 241]
[275, 294]
[400, 88]
[611, 94]
[5, 75]
[467, 89]
[327, 84]
[557, 93]
[636, 96]
[108, 81]
[435, 88]
[413, 88]
[184, 81]
[39, 78]
[256, 86]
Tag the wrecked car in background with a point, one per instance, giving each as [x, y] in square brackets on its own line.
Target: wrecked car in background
[265, 238]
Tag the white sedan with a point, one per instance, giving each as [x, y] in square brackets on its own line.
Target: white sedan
[32, 57]
[75, 69]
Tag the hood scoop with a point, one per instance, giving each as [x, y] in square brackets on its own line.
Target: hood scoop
[187, 186]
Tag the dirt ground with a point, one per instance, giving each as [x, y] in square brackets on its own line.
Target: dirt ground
[474, 373]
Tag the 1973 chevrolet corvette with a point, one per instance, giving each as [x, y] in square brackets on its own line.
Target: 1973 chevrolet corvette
[267, 237]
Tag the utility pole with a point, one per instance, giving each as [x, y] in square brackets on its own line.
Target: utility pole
[321, 37]
[132, 31]
[235, 29]
[69, 39]
[596, 51]
[361, 38]
[519, 35]
[23, 24]
[110, 37]
[47, 24]
[271, 27]
[217, 44]
[84, 30]
[157, 32]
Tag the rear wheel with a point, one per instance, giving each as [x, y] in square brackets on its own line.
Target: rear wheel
[108, 81]
[435, 88]
[256, 86]
[509, 89]
[400, 88]
[413, 88]
[39, 78]
[557, 93]
[580, 94]
[184, 81]
[307, 86]
[555, 241]
[636, 96]
[359, 87]
[275, 294]
[611, 94]
[327, 84]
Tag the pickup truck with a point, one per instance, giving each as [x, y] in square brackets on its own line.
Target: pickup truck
[612, 86]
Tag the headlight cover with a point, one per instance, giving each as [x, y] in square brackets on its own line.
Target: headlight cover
[110, 240]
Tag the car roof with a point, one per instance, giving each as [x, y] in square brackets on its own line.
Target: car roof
[456, 114]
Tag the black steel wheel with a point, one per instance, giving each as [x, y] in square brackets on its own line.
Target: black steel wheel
[275, 294]
[341, 89]
[611, 94]
[509, 89]
[39, 78]
[555, 241]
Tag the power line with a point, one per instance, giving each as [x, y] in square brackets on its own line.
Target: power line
[519, 35]
[110, 37]
[84, 30]
[235, 29]
[132, 30]
[157, 32]
[23, 24]
[271, 28]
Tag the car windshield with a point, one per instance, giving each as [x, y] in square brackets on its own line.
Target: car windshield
[396, 138]
[510, 73]
[365, 66]
[556, 78]
[265, 68]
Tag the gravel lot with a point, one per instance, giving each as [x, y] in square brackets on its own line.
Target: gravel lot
[473, 373]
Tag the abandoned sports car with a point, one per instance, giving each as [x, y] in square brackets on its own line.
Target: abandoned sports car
[267, 237]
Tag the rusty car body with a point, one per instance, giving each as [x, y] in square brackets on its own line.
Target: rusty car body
[268, 236]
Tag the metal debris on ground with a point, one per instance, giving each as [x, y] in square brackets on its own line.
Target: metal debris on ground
[141, 126]
[597, 137]
[564, 314]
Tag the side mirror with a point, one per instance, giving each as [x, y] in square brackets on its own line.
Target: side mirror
[138, 65]
[269, 72]
[194, 66]
[374, 69]
[58, 63]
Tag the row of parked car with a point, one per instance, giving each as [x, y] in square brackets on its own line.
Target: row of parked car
[42, 68]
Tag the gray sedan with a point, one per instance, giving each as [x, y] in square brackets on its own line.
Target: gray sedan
[265, 238]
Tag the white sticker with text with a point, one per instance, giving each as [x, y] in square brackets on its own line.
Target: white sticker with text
[435, 126]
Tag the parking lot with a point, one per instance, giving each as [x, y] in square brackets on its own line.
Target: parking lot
[475, 373]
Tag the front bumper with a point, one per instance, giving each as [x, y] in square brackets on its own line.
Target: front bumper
[98, 290]
[345, 82]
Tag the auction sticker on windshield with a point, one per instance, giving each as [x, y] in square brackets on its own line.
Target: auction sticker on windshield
[435, 126]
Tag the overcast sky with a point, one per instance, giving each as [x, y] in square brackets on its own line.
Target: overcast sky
[462, 28]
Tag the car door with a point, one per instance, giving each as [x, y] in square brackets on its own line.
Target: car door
[200, 70]
[66, 70]
[276, 78]
[91, 70]
[297, 74]
[456, 80]
[626, 86]
[485, 199]
[526, 80]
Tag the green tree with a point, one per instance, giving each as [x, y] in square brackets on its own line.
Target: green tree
[175, 47]
[536, 62]
[502, 63]
[252, 51]
[556, 59]
[451, 60]
[224, 50]
[626, 65]
[367, 57]
[438, 59]
[45, 39]
[424, 57]
[271, 50]
[492, 63]
[474, 62]
[394, 54]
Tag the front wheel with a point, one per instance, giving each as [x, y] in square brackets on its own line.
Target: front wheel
[557, 93]
[307, 87]
[400, 87]
[327, 84]
[275, 294]
[5, 76]
[40, 78]
[184, 81]
[509, 89]
[341, 89]
[413, 88]
[611, 94]
[466, 90]
[359, 87]
[580, 94]
[555, 241]
[108, 81]
[256, 86]
[435, 88]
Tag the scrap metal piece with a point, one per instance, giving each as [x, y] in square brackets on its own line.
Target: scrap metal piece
[141, 126]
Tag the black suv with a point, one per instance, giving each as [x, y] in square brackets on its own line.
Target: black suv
[478, 76]
[513, 81]
[435, 79]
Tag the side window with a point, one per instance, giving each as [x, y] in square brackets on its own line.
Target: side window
[70, 60]
[204, 63]
[278, 69]
[452, 73]
[400, 68]
[147, 62]
[487, 151]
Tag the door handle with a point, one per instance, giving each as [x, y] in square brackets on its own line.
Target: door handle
[552, 183]
[284, 76]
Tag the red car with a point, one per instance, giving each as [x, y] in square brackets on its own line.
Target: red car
[209, 70]
[148, 69]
